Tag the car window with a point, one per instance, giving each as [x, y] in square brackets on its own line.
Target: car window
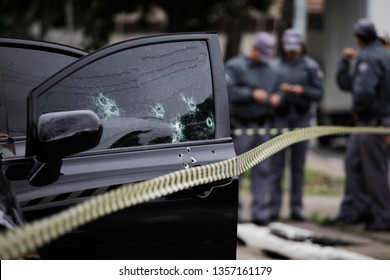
[159, 93]
[21, 70]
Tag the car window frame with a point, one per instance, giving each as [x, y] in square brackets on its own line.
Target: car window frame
[42, 46]
[222, 122]
[38, 45]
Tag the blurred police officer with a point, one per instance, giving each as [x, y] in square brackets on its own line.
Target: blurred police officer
[300, 85]
[367, 195]
[384, 38]
[250, 81]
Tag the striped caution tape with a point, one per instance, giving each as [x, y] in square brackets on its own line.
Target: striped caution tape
[30, 237]
[260, 131]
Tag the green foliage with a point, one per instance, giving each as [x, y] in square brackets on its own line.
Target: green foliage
[96, 17]
[317, 218]
[319, 183]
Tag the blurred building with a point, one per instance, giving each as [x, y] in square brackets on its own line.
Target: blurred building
[336, 33]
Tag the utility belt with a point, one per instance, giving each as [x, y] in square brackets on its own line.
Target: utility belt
[293, 109]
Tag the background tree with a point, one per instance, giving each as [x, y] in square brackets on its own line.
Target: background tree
[96, 17]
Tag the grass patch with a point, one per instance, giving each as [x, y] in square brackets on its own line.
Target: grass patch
[319, 183]
[245, 182]
[317, 218]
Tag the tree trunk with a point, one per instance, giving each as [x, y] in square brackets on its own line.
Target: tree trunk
[234, 30]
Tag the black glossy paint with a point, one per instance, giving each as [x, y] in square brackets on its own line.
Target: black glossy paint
[65, 133]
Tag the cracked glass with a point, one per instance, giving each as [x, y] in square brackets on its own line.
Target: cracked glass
[153, 94]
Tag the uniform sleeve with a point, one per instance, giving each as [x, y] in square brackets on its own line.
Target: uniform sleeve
[343, 77]
[277, 82]
[315, 88]
[367, 78]
[238, 91]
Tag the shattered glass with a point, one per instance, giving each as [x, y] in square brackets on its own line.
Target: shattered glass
[161, 93]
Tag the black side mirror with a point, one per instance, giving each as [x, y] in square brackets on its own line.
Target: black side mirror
[60, 134]
[64, 133]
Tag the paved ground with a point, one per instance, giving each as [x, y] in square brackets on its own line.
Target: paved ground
[375, 245]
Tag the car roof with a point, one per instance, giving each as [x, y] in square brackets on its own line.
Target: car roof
[43, 45]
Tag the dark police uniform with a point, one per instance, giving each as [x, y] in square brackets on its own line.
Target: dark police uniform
[294, 112]
[367, 195]
[243, 76]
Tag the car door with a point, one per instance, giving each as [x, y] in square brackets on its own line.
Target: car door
[163, 104]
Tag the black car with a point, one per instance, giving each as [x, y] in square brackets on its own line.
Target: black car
[129, 112]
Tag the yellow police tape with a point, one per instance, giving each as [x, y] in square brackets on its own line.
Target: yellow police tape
[30, 237]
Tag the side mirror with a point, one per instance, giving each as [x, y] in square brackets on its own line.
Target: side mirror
[64, 133]
[60, 134]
